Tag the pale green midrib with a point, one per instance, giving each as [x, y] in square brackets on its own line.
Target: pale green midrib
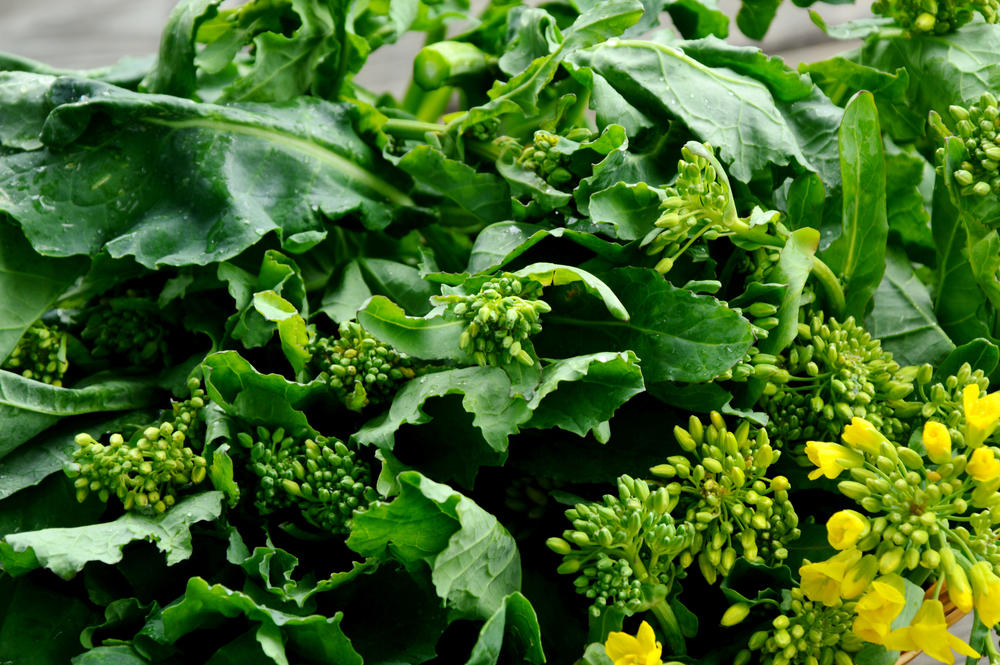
[345, 166]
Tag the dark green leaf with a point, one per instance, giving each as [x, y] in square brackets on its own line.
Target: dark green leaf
[316, 638]
[805, 200]
[482, 194]
[979, 353]
[184, 185]
[755, 16]
[175, 73]
[785, 84]
[264, 399]
[962, 65]
[38, 281]
[630, 209]
[119, 655]
[678, 336]
[41, 625]
[474, 562]
[520, 93]
[858, 255]
[486, 394]
[515, 626]
[663, 82]
[24, 97]
[580, 393]
[499, 244]
[958, 302]
[551, 274]
[532, 33]
[698, 18]
[65, 551]
[27, 407]
[432, 337]
[903, 316]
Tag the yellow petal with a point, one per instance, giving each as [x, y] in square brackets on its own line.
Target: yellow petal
[621, 645]
[983, 465]
[937, 442]
[862, 435]
[647, 640]
[845, 528]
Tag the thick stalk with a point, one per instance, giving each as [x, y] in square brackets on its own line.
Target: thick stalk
[671, 629]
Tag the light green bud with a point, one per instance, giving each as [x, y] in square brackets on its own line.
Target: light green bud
[735, 614]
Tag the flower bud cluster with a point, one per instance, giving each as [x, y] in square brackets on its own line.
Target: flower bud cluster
[320, 478]
[807, 633]
[746, 368]
[40, 355]
[833, 372]
[147, 472]
[696, 204]
[502, 315]
[723, 490]
[937, 510]
[623, 547]
[358, 368]
[942, 401]
[978, 127]
[935, 16]
[485, 130]
[127, 329]
[540, 157]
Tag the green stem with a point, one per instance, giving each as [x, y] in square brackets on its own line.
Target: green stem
[414, 93]
[433, 104]
[411, 129]
[961, 543]
[834, 292]
[671, 629]
[991, 649]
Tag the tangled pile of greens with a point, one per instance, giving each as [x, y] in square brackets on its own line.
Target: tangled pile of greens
[605, 334]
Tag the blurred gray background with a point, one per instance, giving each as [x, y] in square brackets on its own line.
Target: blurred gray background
[82, 34]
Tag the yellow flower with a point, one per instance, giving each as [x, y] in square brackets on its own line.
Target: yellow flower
[642, 649]
[879, 607]
[858, 577]
[983, 465]
[845, 528]
[862, 435]
[821, 581]
[831, 458]
[929, 632]
[985, 592]
[981, 415]
[937, 442]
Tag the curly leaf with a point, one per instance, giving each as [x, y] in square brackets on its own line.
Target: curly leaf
[316, 638]
[65, 551]
[474, 561]
[486, 394]
[578, 394]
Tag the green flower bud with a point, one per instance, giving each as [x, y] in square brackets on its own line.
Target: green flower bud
[735, 614]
